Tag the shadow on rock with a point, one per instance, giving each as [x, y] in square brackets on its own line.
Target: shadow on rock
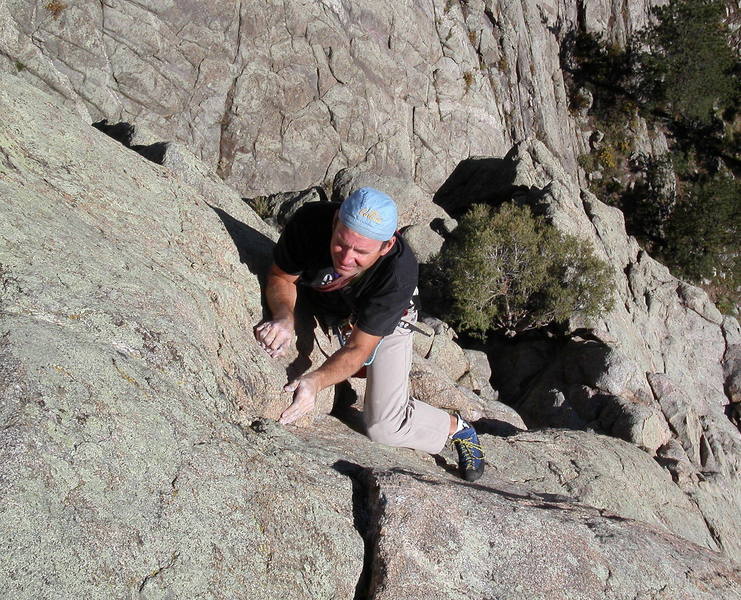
[255, 249]
[496, 427]
[123, 132]
[344, 407]
[443, 464]
[417, 476]
[304, 327]
[479, 181]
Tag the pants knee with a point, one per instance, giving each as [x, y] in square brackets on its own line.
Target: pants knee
[385, 433]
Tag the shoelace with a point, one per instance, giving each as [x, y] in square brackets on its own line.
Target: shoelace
[466, 448]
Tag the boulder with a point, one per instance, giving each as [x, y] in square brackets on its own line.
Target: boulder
[277, 209]
[674, 459]
[732, 373]
[680, 415]
[427, 384]
[496, 540]
[634, 422]
[478, 376]
[432, 386]
[599, 471]
[414, 205]
[423, 241]
[423, 339]
[444, 352]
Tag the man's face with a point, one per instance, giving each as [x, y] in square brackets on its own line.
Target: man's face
[353, 253]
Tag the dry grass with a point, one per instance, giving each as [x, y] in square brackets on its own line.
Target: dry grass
[468, 78]
[55, 8]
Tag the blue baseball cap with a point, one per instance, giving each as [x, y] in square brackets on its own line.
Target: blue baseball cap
[370, 213]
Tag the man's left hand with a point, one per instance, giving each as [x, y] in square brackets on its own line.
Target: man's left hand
[304, 397]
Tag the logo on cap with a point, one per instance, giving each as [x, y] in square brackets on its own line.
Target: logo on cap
[371, 214]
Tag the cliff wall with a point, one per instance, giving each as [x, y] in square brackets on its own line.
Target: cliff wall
[281, 95]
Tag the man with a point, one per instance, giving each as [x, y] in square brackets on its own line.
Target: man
[356, 268]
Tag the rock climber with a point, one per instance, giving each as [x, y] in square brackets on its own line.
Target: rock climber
[360, 276]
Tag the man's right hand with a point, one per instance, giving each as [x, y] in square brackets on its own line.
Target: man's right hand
[275, 336]
[304, 391]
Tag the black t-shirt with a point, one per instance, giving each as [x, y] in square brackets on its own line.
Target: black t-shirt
[374, 300]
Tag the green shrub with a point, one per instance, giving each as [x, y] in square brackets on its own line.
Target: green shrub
[607, 157]
[702, 233]
[681, 66]
[510, 271]
[648, 205]
[588, 162]
[687, 67]
[680, 74]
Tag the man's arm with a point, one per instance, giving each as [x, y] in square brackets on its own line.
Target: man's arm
[280, 292]
[342, 364]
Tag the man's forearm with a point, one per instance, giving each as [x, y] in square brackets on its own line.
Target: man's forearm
[281, 298]
[340, 366]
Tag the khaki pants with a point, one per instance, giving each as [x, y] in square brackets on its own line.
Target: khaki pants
[391, 416]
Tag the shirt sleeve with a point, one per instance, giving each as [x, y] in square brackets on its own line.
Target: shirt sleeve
[380, 313]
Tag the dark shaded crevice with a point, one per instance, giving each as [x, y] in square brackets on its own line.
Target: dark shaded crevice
[732, 411]
[581, 16]
[491, 18]
[227, 141]
[328, 52]
[238, 43]
[227, 144]
[255, 249]
[711, 529]
[153, 152]
[483, 181]
[496, 427]
[123, 132]
[367, 510]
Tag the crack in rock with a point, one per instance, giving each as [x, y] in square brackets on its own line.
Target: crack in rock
[157, 572]
[368, 508]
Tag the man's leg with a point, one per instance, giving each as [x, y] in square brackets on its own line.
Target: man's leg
[391, 416]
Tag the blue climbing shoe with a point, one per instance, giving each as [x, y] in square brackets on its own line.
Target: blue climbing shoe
[470, 453]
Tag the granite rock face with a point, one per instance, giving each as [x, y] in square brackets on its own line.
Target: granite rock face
[608, 474]
[279, 96]
[506, 539]
[139, 455]
[129, 375]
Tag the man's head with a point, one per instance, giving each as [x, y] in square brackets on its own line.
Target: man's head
[363, 231]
